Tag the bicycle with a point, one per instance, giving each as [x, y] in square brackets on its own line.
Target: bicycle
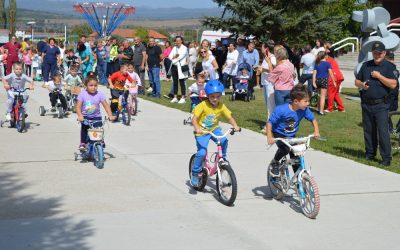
[394, 130]
[225, 179]
[71, 95]
[301, 182]
[123, 108]
[95, 147]
[18, 113]
[59, 109]
[132, 99]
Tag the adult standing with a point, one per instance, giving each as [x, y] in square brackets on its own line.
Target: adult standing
[268, 64]
[50, 57]
[319, 47]
[375, 80]
[167, 62]
[13, 48]
[101, 56]
[230, 67]
[126, 55]
[282, 76]
[241, 47]
[139, 59]
[333, 90]
[192, 59]
[178, 57]
[112, 53]
[220, 57]
[209, 64]
[307, 62]
[251, 57]
[154, 57]
[85, 56]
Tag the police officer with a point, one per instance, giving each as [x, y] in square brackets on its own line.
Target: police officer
[375, 80]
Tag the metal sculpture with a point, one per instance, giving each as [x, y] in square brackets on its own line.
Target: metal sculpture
[376, 21]
[104, 18]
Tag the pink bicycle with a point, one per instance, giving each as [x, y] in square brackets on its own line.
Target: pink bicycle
[215, 164]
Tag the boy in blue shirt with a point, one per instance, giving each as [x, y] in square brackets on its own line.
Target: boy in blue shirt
[284, 122]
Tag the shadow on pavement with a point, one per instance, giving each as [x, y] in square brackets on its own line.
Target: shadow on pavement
[27, 221]
[259, 123]
[351, 151]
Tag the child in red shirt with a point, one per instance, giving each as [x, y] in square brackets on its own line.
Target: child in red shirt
[117, 83]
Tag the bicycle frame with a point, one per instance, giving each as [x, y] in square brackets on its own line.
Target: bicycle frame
[92, 144]
[303, 144]
[17, 104]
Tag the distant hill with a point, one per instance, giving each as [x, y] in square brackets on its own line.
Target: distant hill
[53, 8]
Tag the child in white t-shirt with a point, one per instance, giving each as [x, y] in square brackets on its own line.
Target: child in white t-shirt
[196, 91]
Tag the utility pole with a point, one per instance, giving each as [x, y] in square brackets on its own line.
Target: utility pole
[12, 14]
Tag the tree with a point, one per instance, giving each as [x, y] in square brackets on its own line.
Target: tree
[3, 16]
[12, 13]
[143, 33]
[81, 29]
[297, 21]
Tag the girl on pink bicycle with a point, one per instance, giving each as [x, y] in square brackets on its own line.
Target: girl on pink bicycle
[206, 119]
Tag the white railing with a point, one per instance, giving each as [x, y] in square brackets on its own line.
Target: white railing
[389, 26]
[347, 44]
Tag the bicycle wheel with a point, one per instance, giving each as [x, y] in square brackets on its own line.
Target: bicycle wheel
[226, 184]
[21, 121]
[60, 112]
[132, 105]
[314, 100]
[274, 185]
[98, 156]
[126, 116]
[204, 176]
[310, 202]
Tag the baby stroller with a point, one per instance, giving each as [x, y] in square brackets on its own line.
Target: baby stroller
[242, 91]
[195, 99]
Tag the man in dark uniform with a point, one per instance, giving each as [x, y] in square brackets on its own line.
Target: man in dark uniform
[375, 80]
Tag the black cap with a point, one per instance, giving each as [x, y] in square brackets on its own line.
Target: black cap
[389, 54]
[378, 46]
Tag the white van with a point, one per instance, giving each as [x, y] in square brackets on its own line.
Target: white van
[212, 35]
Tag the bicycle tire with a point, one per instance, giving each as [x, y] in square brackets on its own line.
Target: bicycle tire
[203, 179]
[60, 112]
[132, 105]
[314, 100]
[225, 168]
[310, 204]
[126, 116]
[21, 121]
[276, 190]
[98, 156]
[42, 111]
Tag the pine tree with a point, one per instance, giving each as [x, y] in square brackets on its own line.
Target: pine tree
[296, 21]
[12, 14]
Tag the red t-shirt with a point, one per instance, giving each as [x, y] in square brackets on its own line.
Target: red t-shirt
[118, 80]
[12, 50]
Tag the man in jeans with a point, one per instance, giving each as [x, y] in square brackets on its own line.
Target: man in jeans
[154, 57]
[307, 62]
[139, 59]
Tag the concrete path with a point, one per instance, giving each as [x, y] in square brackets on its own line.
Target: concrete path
[142, 200]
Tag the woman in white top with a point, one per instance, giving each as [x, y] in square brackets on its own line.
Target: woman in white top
[230, 67]
[178, 56]
[192, 57]
[209, 64]
[268, 64]
[319, 46]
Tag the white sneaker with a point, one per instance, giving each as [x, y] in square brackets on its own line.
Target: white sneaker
[8, 117]
[182, 101]
[150, 89]
[174, 100]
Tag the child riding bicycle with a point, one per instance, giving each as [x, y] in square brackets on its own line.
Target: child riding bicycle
[284, 122]
[15, 81]
[56, 87]
[88, 108]
[206, 118]
[117, 83]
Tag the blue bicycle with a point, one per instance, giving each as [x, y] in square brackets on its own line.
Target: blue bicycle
[95, 147]
[301, 182]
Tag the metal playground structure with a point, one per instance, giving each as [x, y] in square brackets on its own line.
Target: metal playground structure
[104, 18]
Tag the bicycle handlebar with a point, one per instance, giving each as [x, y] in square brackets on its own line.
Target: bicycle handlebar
[19, 91]
[229, 131]
[290, 141]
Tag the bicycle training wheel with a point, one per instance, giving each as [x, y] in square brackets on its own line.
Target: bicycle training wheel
[226, 184]
[310, 201]
[274, 185]
[98, 156]
[203, 179]
[21, 121]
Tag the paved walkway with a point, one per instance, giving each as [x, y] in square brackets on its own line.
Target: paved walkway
[141, 199]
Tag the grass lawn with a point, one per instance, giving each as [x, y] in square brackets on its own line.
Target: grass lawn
[343, 131]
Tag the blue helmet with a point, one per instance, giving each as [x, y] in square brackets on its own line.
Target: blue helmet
[214, 86]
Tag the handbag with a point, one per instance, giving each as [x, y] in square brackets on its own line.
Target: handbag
[184, 68]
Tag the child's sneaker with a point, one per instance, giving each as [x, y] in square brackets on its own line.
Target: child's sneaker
[174, 100]
[275, 169]
[82, 147]
[8, 117]
[182, 101]
[150, 89]
[53, 109]
[194, 181]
